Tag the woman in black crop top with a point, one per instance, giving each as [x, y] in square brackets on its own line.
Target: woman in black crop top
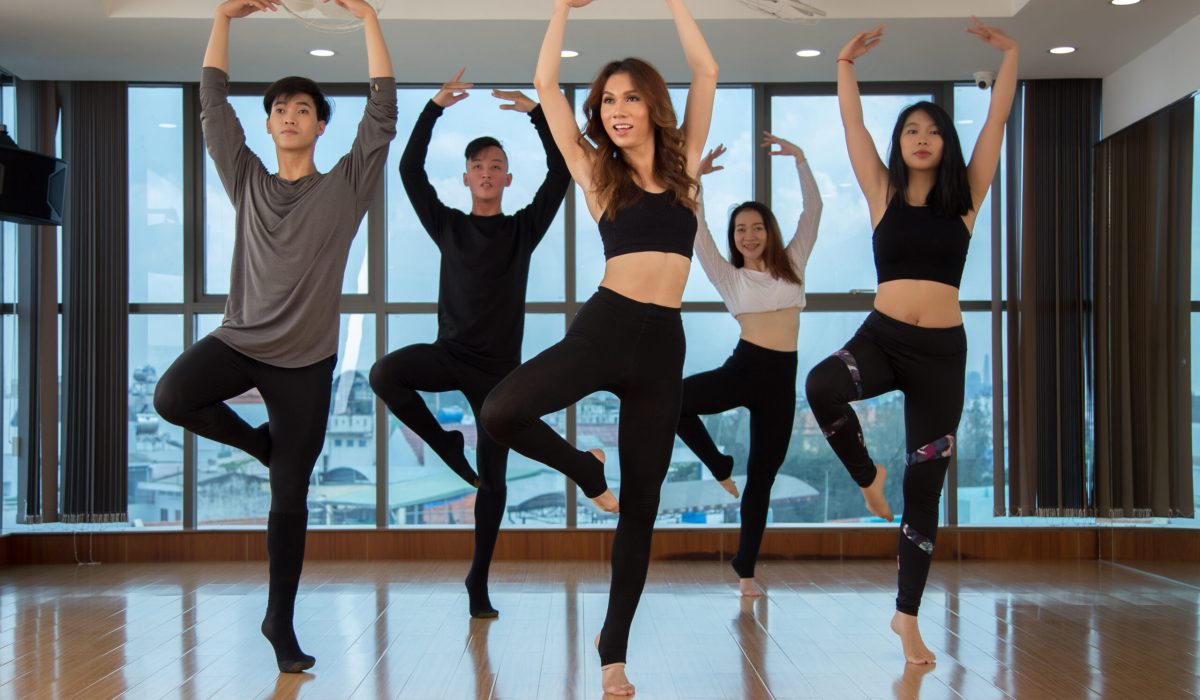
[638, 172]
[923, 205]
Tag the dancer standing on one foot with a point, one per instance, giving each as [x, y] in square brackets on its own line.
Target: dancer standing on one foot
[639, 180]
[280, 331]
[762, 286]
[923, 206]
[481, 306]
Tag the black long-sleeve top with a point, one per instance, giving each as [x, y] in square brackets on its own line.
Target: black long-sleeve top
[485, 259]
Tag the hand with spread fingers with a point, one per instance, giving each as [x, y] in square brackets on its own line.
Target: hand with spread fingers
[708, 165]
[862, 43]
[359, 8]
[236, 9]
[992, 36]
[786, 148]
[453, 91]
[520, 101]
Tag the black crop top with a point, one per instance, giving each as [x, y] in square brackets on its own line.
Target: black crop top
[652, 223]
[916, 243]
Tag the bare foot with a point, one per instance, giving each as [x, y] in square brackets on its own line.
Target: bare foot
[915, 651]
[729, 486]
[613, 678]
[876, 502]
[748, 588]
[606, 501]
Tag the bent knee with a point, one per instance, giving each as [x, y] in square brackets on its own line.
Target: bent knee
[168, 401]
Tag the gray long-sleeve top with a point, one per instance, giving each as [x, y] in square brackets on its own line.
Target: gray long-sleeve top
[292, 237]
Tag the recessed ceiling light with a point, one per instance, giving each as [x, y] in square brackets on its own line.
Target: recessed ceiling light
[1061, 50]
[568, 53]
[965, 121]
[808, 53]
[1125, 2]
[321, 53]
[167, 125]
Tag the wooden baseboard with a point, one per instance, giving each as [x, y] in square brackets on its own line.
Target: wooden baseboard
[996, 544]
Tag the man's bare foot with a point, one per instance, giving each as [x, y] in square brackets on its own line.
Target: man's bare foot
[915, 651]
[876, 502]
[749, 588]
[613, 678]
[606, 501]
[730, 486]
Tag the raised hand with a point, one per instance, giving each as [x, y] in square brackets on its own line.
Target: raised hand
[236, 9]
[707, 165]
[574, 3]
[359, 8]
[861, 43]
[992, 36]
[786, 148]
[520, 101]
[453, 91]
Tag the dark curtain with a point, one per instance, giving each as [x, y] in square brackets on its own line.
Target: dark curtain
[1143, 303]
[95, 302]
[1050, 328]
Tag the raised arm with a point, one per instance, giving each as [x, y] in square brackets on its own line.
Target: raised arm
[801, 245]
[224, 137]
[986, 155]
[870, 171]
[535, 219]
[217, 53]
[379, 63]
[702, 93]
[719, 270]
[575, 151]
[364, 163]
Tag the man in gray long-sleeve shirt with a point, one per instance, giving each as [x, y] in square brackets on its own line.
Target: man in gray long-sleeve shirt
[280, 330]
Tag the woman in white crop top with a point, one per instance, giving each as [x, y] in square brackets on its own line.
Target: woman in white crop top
[762, 285]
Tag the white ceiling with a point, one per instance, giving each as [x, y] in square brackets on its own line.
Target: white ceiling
[163, 40]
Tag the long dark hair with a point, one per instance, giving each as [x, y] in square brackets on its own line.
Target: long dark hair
[951, 193]
[775, 255]
[612, 177]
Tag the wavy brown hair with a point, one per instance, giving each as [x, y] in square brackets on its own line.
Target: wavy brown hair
[775, 256]
[611, 176]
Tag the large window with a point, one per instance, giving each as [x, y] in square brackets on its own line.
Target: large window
[390, 478]
[156, 195]
[8, 336]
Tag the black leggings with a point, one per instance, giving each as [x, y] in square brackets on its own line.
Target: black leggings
[929, 366]
[192, 394]
[634, 350]
[431, 367]
[763, 381]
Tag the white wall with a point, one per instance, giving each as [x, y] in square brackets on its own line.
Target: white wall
[1163, 74]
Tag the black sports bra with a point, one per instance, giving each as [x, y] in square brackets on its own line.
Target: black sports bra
[652, 223]
[916, 243]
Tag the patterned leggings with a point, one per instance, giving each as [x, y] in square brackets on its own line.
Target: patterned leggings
[929, 366]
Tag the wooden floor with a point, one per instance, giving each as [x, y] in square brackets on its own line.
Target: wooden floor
[400, 630]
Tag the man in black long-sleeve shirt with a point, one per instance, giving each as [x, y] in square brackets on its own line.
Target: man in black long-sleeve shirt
[481, 306]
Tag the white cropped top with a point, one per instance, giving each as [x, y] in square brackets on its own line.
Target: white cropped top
[747, 291]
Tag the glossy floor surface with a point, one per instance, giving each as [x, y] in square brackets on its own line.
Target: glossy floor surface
[400, 630]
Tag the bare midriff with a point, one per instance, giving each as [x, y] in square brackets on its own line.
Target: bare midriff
[919, 303]
[651, 277]
[773, 330]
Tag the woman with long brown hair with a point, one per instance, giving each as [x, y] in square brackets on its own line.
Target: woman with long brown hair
[639, 174]
[762, 286]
